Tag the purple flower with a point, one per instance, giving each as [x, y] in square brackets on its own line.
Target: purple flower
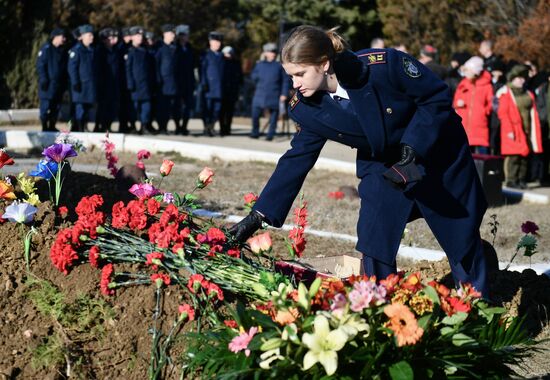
[364, 293]
[529, 228]
[19, 212]
[338, 305]
[59, 152]
[143, 190]
[168, 198]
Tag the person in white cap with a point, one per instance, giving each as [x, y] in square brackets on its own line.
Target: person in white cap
[473, 103]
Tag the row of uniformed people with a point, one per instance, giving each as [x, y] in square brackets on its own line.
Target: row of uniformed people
[123, 78]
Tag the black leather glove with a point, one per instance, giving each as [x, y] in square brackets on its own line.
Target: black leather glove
[350, 71]
[246, 227]
[405, 171]
[77, 87]
[44, 86]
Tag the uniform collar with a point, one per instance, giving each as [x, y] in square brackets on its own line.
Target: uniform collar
[340, 92]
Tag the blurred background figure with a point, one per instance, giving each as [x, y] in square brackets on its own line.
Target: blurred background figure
[140, 78]
[428, 56]
[187, 86]
[126, 117]
[272, 86]
[212, 69]
[401, 47]
[82, 68]
[473, 103]
[233, 78]
[454, 71]
[520, 127]
[51, 66]
[377, 43]
[169, 72]
[109, 79]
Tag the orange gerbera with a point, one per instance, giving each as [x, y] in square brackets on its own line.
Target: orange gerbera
[403, 323]
[6, 191]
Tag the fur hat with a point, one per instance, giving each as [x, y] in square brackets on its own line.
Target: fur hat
[475, 65]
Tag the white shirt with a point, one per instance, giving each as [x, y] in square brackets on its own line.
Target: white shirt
[340, 92]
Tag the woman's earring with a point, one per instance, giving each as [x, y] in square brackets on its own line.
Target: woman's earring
[326, 73]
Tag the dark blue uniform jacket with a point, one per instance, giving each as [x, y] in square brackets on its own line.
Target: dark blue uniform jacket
[271, 82]
[109, 74]
[83, 70]
[169, 69]
[187, 65]
[51, 66]
[212, 68]
[402, 102]
[140, 73]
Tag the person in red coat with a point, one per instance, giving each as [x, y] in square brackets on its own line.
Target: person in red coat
[520, 130]
[473, 103]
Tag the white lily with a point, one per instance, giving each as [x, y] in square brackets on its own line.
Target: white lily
[323, 345]
[270, 356]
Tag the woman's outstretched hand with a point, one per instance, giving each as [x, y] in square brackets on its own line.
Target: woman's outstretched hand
[246, 227]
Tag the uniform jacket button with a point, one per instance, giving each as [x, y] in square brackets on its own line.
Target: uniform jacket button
[389, 110]
[340, 135]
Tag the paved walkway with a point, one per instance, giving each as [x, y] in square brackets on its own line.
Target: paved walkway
[240, 140]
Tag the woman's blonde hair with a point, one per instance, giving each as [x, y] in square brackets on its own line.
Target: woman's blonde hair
[310, 45]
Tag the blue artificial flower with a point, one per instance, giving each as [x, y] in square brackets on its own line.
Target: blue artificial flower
[19, 212]
[45, 169]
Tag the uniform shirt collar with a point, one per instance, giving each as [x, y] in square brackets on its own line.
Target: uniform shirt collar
[340, 92]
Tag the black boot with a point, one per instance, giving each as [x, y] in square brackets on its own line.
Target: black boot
[209, 130]
[184, 130]
[45, 126]
[52, 123]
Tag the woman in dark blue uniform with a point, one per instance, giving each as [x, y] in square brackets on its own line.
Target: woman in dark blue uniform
[412, 153]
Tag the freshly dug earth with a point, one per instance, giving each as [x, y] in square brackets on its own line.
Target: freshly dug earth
[122, 349]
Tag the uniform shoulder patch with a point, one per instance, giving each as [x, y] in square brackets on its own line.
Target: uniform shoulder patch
[375, 58]
[410, 68]
[294, 101]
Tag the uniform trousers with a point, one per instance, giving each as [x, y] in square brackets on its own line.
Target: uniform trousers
[82, 115]
[471, 269]
[212, 107]
[273, 117]
[49, 110]
[142, 110]
[515, 169]
[169, 107]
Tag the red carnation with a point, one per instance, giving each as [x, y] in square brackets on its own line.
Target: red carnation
[120, 217]
[5, 158]
[160, 278]
[186, 311]
[231, 323]
[154, 259]
[195, 282]
[336, 195]
[234, 252]
[153, 206]
[62, 253]
[94, 256]
[106, 274]
[62, 211]
[459, 305]
[213, 290]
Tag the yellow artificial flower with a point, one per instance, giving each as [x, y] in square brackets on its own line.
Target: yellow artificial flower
[323, 345]
[26, 184]
[33, 199]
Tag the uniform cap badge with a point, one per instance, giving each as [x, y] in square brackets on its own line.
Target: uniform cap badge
[410, 68]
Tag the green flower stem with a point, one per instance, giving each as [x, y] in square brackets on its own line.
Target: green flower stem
[154, 363]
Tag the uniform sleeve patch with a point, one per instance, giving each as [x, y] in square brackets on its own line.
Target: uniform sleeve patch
[410, 68]
[375, 58]
[72, 54]
[293, 101]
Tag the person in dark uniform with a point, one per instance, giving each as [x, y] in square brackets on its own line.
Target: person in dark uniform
[108, 85]
[82, 69]
[212, 68]
[428, 55]
[233, 77]
[187, 66]
[168, 79]
[51, 66]
[272, 85]
[413, 157]
[126, 117]
[140, 78]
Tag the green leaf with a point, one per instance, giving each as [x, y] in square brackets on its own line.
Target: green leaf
[461, 339]
[447, 330]
[177, 199]
[424, 320]
[401, 371]
[190, 197]
[314, 288]
[303, 300]
[432, 293]
[455, 319]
